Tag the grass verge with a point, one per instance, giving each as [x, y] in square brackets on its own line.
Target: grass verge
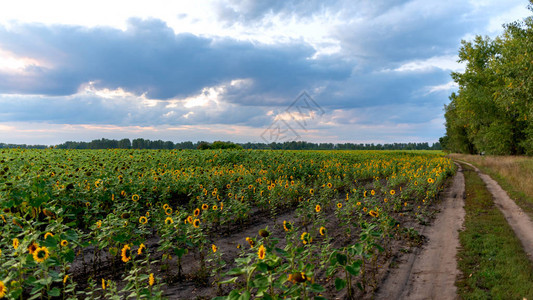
[492, 261]
[513, 174]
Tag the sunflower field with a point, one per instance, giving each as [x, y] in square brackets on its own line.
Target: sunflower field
[223, 224]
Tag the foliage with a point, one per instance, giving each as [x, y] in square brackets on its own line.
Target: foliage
[492, 112]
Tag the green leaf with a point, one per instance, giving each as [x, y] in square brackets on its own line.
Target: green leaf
[281, 252]
[352, 270]
[341, 259]
[55, 292]
[68, 255]
[235, 271]
[245, 296]
[180, 251]
[339, 284]
[263, 267]
[316, 288]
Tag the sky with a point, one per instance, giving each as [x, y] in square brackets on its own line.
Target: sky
[339, 71]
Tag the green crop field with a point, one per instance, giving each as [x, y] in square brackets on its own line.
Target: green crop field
[138, 223]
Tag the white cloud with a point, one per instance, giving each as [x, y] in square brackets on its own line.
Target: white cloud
[451, 85]
[445, 62]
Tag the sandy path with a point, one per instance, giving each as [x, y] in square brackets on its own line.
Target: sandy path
[430, 273]
[515, 216]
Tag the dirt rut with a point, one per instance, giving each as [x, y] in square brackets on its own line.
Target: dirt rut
[430, 272]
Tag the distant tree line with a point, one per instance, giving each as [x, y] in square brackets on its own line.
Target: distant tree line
[492, 112]
[294, 145]
[23, 146]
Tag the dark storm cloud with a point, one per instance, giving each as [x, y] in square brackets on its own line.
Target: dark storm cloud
[149, 58]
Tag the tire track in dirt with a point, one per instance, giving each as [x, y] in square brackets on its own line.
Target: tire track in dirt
[515, 216]
[430, 272]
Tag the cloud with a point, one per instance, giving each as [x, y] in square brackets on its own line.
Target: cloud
[149, 58]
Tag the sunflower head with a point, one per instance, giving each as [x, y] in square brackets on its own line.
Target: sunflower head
[297, 277]
[16, 243]
[251, 242]
[126, 253]
[41, 254]
[339, 205]
[306, 238]
[322, 230]
[264, 233]
[3, 289]
[214, 248]
[143, 220]
[169, 220]
[287, 226]
[64, 243]
[318, 208]
[140, 250]
[205, 206]
[32, 247]
[197, 212]
[196, 223]
[151, 279]
[261, 252]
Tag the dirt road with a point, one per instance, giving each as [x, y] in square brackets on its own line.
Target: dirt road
[515, 216]
[430, 272]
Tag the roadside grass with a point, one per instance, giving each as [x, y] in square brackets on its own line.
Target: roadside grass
[491, 258]
[513, 173]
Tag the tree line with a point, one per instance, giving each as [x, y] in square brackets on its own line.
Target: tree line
[293, 145]
[492, 111]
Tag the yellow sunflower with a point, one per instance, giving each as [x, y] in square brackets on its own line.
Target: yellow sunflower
[251, 242]
[215, 207]
[430, 180]
[189, 219]
[135, 197]
[306, 238]
[140, 250]
[261, 252]
[3, 289]
[322, 230]
[32, 247]
[151, 279]
[103, 284]
[41, 254]
[143, 220]
[214, 248]
[197, 212]
[48, 234]
[126, 253]
[168, 210]
[287, 226]
[205, 206]
[16, 243]
[317, 208]
[339, 205]
[196, 223]
[64, 243]
[373, 213]
[169, 220]
[392, 192]
[311, 191]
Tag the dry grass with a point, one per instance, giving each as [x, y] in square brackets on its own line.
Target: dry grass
[514, 173]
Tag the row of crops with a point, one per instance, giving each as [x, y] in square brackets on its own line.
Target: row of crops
[113, 224]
